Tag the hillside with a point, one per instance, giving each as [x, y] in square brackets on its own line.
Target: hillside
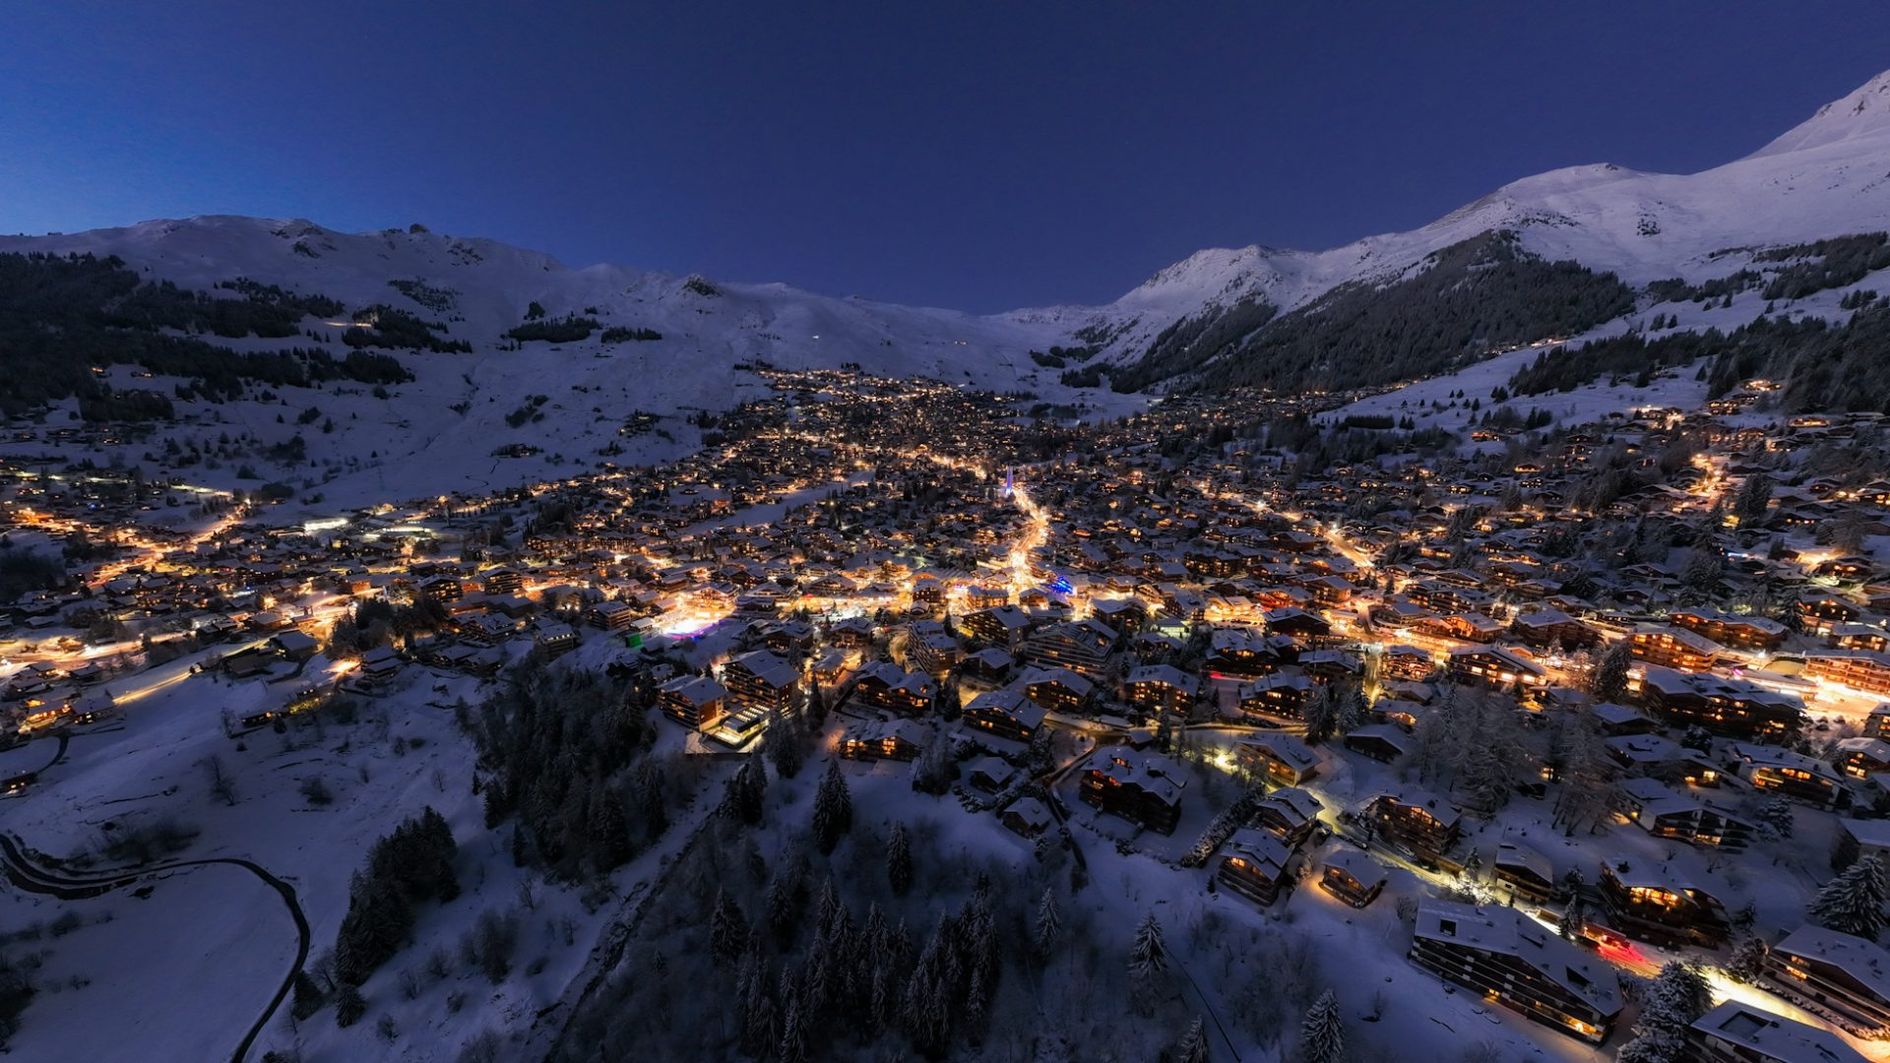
[403, 352]
[1828, 177]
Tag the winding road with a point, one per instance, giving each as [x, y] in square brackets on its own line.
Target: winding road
[28, 876]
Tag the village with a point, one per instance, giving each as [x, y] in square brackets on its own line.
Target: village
[1565, 705]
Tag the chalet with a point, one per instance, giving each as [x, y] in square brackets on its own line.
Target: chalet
[1256, 865]
[1861, 670]
[1514, 961]
[1424, 824]
[1659, 757]
[1162, 688]
[1859, 637]
[1818, 613]
[1527, 873]
[851, 633]
[1026, 817]
[1290, 813]
[1283, 696]
[1495, 667]
[554, 637]
[1407, 662]
[1674, 647]
[1658, 904]
[760, 680]
[884, 740]
[1237, 651]
[380, 664]
[1877, 724]
[1844, 978]
[1326, 666]
[1080, 646]
[1401, 713]
[1144, 788]
[1863, 838]
[1789, 773]
[1861, 757]
[933, 651]
[885, 685]
[1545, 628]
[1665, 813]
[1006, 714]
[1279, 758]
[1730, 629]
[990, 774]
[1002, 626]
[1056, 689]
[1383, 742]
[1298, 625]
[1739, 1033]
[1614, 721]
[1727, 706]
[696, 702]
[613, 616]
[990, 664]
[1353, 877]
[294, 645]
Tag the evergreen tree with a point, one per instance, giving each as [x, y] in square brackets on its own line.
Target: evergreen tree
[785, 743]
[349, 1007]
[747, 790]
[1047, 927]
[1755, 494]
[833, 808]
[1193, 1046]
[793, 1047]
[899, 860]
[1775, 817]
[1148, 956]
[1610, 680]
[728, 929]
[1676, 997]
[308, 997]
[1853, 902]
[1575, 912]
[1321, 714]
[1748, 959]
[758, 1035]
[1322, 1033]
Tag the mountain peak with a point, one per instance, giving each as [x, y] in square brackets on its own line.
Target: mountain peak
[1864, 112]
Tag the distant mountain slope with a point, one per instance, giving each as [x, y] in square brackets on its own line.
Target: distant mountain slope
[1828, 177]
[485, 329]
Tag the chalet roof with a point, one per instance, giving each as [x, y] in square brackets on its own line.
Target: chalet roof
[1764, 1035]
[1294, 804]
[1166, 674]
[1260, 847]
[1287, 749]
[1865, 961]
[1357, 864]
[1009, 702]
[1509, 932]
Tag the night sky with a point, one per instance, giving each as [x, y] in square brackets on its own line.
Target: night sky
[956, 154]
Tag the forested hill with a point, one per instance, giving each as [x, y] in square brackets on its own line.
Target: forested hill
[65, 318]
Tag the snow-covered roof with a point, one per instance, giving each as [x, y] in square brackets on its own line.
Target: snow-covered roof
[1767, 1036]
[1509, 932]
[1865, 961]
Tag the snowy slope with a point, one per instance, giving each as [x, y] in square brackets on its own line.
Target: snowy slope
[1829, 176]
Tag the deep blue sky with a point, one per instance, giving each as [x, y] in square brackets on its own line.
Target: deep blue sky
[951, 153]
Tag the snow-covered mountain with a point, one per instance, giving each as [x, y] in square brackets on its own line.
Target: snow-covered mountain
[1827, 177]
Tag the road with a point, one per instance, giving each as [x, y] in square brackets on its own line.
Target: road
[31, 878]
